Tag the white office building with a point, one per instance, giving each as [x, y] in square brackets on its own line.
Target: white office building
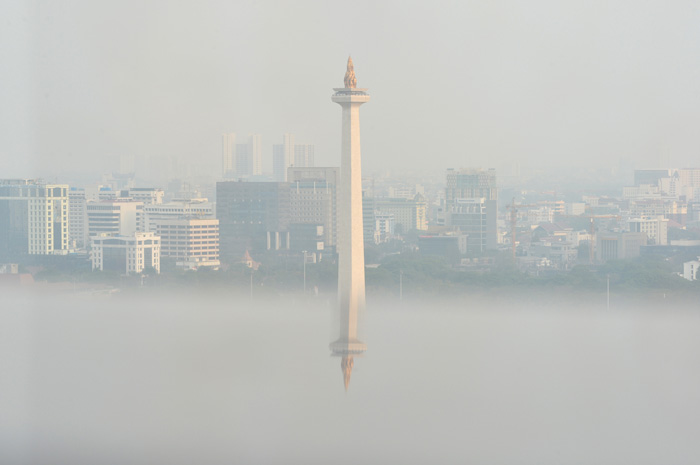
[197, 208]
[146, 195]
[656, 228]
[125, 254]
[121, 217]
[690, 270]
[33, 217]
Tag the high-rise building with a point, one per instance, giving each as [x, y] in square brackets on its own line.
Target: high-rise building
[255, 154]
[248, 157]
[241, 164]
[228, 154]
[303, 155]
[77, 218]
[313, 199]
[475, 217]
[282, 157]
[252, 216]
[471, 206]
[470, 184]
[33, 218]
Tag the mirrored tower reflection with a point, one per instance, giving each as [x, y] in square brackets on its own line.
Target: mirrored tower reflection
[351, 250]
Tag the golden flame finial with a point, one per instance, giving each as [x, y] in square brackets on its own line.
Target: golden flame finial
[346, 365]
[350, 79]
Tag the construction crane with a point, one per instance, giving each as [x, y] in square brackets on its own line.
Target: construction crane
[513, 222]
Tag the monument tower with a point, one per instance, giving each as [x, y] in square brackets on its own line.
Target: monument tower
[351, 248]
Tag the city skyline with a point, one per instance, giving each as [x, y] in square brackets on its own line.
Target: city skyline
[193, 240]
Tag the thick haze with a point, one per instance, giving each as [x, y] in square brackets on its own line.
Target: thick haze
[203, 378]
[452, 84]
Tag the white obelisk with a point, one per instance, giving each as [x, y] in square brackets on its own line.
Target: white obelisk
[351, 249]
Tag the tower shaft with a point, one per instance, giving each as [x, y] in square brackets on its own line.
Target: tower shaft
[351, 267]
[351, 248]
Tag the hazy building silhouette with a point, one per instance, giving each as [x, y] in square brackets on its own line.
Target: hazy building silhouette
[304, 155]
[471, 206]
[282, 157]
[228, 154]
[314, 200]
[409, 213]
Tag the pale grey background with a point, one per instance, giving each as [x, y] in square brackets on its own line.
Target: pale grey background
[453, 83]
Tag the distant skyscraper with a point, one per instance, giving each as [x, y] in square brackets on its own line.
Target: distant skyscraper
[228, 154]
[77, 218]
[303, 155]
[282, 157]
[241, 160]
[471, 205]
[471, 184]
[255, 154]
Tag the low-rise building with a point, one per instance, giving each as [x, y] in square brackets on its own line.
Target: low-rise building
[125, 254]
[409, 213]
[690, 270]
[452, 245]
[618, 245]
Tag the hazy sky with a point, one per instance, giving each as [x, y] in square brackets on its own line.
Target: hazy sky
[485, 83]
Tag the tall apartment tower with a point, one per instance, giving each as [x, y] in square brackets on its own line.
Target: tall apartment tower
[303, 155]
[471, 206]
[33, 218]
[255, 154]
[228, 154]
[241, 164]
[282, 157]
[351, 262]
[77, 218]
